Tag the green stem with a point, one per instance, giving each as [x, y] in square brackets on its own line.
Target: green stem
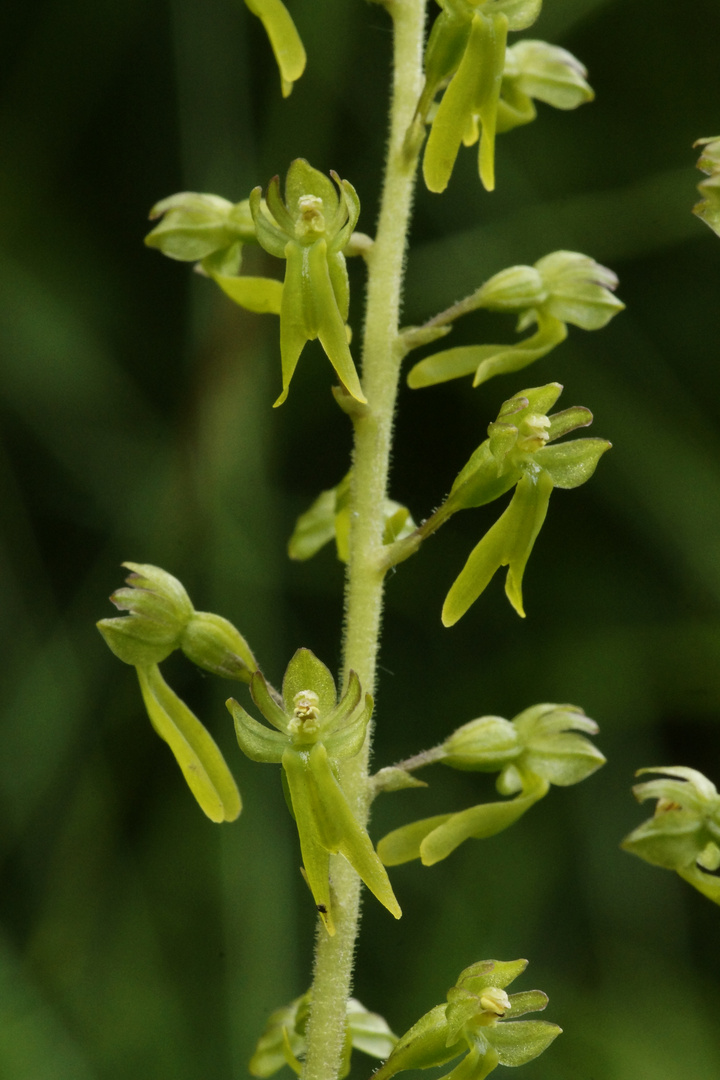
[382, 355]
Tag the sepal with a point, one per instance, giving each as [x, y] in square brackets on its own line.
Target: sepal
[159, 611]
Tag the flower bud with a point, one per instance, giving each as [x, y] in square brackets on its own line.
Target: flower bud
[213, 643]
[194, 225]
[160, 610]
[580, 290]
[483, 745]
[514, 289]
[550, 751]
[547, 73]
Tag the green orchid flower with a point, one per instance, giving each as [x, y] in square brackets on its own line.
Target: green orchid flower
[283, 1041]
[313, 731]
[708, 209]
[466, 54]
[309, 229]
[474, 1023]
[329, 518]
[284, 40]
[561, 288]
[539, 747]
[159, 619]
[517, 454]
[684, 833]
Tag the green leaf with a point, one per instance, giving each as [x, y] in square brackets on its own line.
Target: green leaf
[196, 752]
[284, 40]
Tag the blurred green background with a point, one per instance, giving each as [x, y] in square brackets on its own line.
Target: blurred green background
[136, 938]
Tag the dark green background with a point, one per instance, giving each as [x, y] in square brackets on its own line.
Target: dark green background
[137, 939]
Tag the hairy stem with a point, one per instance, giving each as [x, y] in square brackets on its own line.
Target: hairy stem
[382, 354]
